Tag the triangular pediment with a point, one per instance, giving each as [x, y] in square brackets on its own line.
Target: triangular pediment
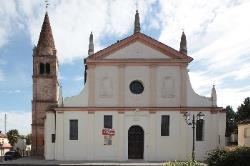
[137, 50]
[139, 46]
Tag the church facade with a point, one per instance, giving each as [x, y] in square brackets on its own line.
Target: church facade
[132, 106]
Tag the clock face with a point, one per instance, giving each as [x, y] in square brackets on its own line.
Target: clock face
[136, 87]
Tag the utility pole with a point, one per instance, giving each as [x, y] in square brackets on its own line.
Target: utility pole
[5, 119]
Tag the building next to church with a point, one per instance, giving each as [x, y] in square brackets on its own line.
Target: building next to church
[132, 105]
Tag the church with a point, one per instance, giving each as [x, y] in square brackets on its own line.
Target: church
[137, 103]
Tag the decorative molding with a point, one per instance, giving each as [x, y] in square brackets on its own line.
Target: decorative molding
[145, 40]
[132, 109]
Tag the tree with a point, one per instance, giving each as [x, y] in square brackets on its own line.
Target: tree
[230, 121]
[13, 136]
[28, 139]
[244, 110]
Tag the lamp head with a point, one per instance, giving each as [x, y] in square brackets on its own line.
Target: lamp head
[186, 116]
[200, 115]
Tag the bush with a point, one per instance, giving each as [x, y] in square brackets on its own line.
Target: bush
[178, 163]
[237, 157]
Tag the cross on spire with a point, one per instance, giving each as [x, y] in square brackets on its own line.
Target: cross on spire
[46, 4]
[136, 5]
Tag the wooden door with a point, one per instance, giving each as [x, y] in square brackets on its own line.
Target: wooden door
[135, 142]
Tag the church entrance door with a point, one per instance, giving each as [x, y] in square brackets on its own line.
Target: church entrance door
[135, 142]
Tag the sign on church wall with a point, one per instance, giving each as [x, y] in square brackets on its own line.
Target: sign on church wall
[107, 140]
[108, 133]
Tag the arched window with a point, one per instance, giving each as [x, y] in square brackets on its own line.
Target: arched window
[41, 68]
[47, 68]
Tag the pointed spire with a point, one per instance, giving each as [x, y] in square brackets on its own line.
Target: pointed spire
[137, 27]
[183, 44]
[214, 96]
[46, 40]
[91, 44]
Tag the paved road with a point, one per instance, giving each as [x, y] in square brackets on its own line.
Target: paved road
[39, 161]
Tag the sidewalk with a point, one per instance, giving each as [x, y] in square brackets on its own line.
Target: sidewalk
[39, 161]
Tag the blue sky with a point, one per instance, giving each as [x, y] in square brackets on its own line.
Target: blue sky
[218, 36]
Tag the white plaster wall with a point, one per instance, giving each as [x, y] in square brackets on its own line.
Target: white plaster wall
[222, 129]
[49, 147]
[244, 135]
[80, 100]
[177, 92]
[106, 85]
[140, 73]
[90, 143]
[59, 145]
[168, 95]
[193, 99]
[137, 50]
[75, 149]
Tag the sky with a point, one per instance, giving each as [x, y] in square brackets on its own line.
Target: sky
[218, 38]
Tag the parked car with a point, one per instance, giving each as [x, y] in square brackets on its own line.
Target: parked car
[11, 155]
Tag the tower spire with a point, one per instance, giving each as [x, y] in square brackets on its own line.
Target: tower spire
[137, 27]
[46, 40]
[183, 44]
[91, 44]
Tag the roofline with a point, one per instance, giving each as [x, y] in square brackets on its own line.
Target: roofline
[124, 42]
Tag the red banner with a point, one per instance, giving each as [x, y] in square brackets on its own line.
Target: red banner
[107, 131]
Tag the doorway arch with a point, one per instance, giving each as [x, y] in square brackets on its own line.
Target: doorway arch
[135, 142]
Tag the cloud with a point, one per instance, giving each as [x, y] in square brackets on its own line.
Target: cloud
[217, 32]
[9, 21]
[10, 91]
[72, 21]
[20, 120]
[233, 96]
[218, 40]
[78, 78]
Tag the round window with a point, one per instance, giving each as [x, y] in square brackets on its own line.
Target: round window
[136, 87]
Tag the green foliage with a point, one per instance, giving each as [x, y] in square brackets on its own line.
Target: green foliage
[231, 124]
[28, 139]
[243, 112]
[13, 136]
[180, 163]
[237, 157]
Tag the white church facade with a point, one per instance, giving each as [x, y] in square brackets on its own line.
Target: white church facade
[132, 105]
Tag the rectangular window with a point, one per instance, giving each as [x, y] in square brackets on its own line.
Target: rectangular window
[165, 125]
[73, 129]
[53, 138]
[108, 121]
[199, 130]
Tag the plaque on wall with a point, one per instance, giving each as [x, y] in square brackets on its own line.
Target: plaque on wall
[168, 87]
[107, 140]
[106, 87]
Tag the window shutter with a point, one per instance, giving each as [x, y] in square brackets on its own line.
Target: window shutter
[165, 125]
[108, 121]
[199, 130]
[73, 134]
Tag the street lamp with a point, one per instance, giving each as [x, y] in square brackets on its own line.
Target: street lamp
[192, 122]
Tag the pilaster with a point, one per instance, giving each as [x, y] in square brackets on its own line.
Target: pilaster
[91, 77]
[121, 85]
[152, 79]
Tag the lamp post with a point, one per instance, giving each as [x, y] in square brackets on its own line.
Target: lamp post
[192, 122]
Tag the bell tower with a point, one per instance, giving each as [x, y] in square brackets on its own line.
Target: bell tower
[45, 84]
